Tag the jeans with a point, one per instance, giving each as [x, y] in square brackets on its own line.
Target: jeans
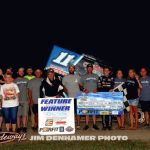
[10, 114]
[107, 120]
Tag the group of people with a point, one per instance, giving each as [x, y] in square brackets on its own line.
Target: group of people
[19, 96]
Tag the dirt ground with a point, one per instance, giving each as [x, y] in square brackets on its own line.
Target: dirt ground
[142, 134]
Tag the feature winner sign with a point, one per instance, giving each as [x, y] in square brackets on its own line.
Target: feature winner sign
[100, 103]
[56, 116]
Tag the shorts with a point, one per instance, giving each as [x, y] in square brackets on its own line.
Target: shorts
[10, 114]
[133, 102]
[23, 110]
[120, 115]
[145, 106]
[35, 108]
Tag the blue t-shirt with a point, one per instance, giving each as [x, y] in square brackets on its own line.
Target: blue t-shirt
[145, 91]
[118, 81]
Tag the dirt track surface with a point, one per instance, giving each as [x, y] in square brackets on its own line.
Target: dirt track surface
[142, 134]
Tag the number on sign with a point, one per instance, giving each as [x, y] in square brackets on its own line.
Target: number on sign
[64, 59]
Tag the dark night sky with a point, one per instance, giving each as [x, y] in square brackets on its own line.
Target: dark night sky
[117, 35]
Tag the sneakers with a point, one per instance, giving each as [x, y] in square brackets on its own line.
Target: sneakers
[109, 128]
[104, 128]
[24, 130]
[34, 129]
[86, 127]
[146, 125]
[18, 130]
[95, 127]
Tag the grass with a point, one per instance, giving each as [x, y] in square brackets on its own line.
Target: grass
[77, 145]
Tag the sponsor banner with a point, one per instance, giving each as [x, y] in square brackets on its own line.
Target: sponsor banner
[61, 58]
[56, 116]
[100, 103]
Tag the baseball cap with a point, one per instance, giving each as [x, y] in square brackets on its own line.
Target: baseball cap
[51, 70]
[72, 66]
[89, 65]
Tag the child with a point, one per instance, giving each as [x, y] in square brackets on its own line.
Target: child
[118, 80]
[133, 85]
[10, 102]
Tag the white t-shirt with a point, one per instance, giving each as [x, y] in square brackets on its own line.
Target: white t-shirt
[9, 95]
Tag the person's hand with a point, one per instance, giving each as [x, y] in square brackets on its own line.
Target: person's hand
[137, 77]
[95, 91]
[85, 91]
[57, 96]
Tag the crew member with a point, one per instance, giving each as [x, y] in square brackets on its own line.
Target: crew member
[106, 84]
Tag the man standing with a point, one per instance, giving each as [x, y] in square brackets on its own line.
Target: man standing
[71, 85]
[29, 77]
[89, 82]
[145, 95]
[106, 84]
[23, 101]
[34, 93]
[51, 86]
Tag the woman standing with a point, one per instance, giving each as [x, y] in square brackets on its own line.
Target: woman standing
[119, 80]
[10, 102]
[133, 91]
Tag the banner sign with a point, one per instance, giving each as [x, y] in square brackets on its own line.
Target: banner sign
[61, 58]
[100, 103]
[56, 116]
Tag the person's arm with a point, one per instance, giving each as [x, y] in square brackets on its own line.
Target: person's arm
[112, 84]
[42, 93]
[138, 81]
[30, 100]
[139, 85]
[81, 85]
[60, 89]
[99, 83]
[64, 85]
[17, 92]
[30, 97]
[139, 92]
[1, 97]
[2, 82]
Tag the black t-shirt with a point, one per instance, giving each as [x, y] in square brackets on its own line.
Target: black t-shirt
[105, 83]
[132, 88]
[51, 88]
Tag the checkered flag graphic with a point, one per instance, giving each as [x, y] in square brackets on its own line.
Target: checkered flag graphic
[122, 88]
